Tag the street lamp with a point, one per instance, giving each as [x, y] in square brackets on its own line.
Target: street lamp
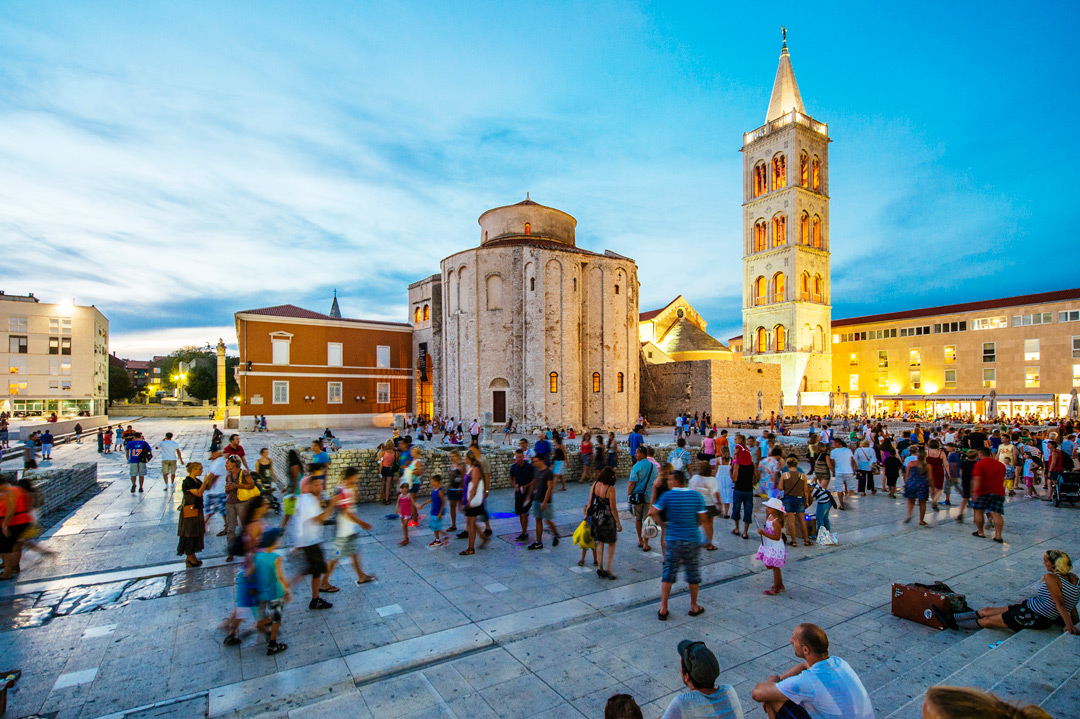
[179, 379]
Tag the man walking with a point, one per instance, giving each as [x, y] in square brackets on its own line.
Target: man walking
[170, 455]
[474, 432]
[639, 492]
[235, 480]
[682, 511]
[988, 493]
[215, 439]
[842, 464]
[138, 454]
[233, 448]
[47, 441]
[310, 514]
[542, 508]
[346, 545]
[521, 475]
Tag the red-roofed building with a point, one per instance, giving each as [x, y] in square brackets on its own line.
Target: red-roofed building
[303, 369]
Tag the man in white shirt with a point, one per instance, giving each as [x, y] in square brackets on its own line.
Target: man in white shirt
[214, 495]
[704, 483]
[170, 455]
[819, 687]
[842, 464]
[310, 516]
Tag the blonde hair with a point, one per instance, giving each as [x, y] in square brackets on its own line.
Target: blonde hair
[963, 702]
[194, 469]
[864, 443]
[1061, 561]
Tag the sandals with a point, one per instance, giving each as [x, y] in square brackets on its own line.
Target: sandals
[581, 563]
[367, 578]
[771, 592]
[662, 616]
[697, 613]
[329, 589]
[466, 552]
[976, 534]
[710, 547]
[923, 524]
[807, 543]
[735, 532]
[745, 537]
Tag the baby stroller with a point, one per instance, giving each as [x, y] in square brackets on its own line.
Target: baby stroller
[1067, 488]
[267, 492]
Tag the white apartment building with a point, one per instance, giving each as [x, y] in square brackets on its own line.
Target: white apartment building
[58, 357]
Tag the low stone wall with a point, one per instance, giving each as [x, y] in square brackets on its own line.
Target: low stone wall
[163, 410]
[58, 486]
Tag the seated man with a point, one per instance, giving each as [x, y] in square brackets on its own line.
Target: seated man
[699, 672]
[820, 687]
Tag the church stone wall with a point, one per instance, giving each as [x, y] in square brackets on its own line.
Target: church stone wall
[726, 389]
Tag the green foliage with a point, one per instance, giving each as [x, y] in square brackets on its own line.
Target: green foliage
[120, 386]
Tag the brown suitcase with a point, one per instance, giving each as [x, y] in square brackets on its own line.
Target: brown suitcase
[915, 602]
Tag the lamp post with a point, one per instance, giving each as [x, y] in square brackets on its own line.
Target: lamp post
[179, 379]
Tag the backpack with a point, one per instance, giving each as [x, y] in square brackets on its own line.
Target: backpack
[1067, 463]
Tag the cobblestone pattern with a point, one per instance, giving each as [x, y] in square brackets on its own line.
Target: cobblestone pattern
[58, 486]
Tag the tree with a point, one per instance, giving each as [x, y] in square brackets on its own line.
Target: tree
[120, 386]
[202, 382]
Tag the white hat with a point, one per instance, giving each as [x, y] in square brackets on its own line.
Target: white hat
[774, 503]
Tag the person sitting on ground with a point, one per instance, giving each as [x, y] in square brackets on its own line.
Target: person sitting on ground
[700, 669]
[819, 687]
[622, 706]
[964, 702]
[1054, 603]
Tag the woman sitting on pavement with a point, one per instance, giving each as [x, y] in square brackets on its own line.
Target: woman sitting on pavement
[1054, 603]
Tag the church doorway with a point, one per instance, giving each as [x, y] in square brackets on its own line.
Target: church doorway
[498, 406]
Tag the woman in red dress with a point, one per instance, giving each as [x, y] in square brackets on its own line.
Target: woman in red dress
[937, 464]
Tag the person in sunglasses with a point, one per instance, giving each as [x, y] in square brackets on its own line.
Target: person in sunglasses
[705, 700]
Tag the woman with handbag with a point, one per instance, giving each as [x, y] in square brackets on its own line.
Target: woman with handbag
[602, 514]
[239, 490]
[191, 527]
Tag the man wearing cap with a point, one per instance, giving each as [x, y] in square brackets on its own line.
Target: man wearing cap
[819, 687]
[705, 700]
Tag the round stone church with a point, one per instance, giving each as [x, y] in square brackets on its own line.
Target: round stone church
[529, 326]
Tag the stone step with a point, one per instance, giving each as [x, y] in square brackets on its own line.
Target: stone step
[1063, 701]
[1040, 676]
[922, 666]
[982, 671]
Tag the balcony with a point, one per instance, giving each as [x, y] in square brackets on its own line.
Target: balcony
[795, 117]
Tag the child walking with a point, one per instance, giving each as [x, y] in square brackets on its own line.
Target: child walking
[1029, 475]
[1010, 476]
[438, 510]
[772, 552]
[405, 511]
[273, 589]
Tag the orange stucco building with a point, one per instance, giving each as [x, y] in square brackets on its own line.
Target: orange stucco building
[307, 369]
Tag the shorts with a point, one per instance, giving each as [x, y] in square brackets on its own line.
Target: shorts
[686, 554]
[288, 505]
[522, 504]
[435, 524]
[1019, 616]
[742, 506]
[315, 563]
[137, 469]
[640, 511]
[791, 710]
[545, 513]
[845, 482]
[989, 503]
[271, 610]
[453, 495]
[246, 593]
[386, 472]
[168, 466]
[346, 546]
[8, 542]
[214, 504]
[475, 511]
[794, 504]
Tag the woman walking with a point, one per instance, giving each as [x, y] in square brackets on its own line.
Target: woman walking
[917, 487]
[292, 487]
[386, 460]
[558, 467]
[724, 484]
[865, 459]
[612, 452]
[192, 525]
[264, 468]
[474, 502]
[602, 514]
[937, 463]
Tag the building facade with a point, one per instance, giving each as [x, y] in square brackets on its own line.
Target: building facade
[675, 333]
[786, 279]
[307, 369]
[949, 359]
[58, 357]
[530, 327]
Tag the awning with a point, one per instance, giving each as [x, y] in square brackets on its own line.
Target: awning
[965, 397]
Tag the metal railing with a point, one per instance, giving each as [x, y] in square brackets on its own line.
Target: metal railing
[792, 117]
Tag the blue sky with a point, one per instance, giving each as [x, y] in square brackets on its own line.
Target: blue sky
[173, 163]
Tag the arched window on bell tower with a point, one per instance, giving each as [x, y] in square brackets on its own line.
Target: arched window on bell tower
[816, 231]
[815, 172]
[818, 289]
[779, 287]
[804, 229]
[806, 287]
[804, 169]
[760, 179]
[760, 294]
[780, 333]
[779, 230]
[761, 340]
[761, 236]
[779, 171]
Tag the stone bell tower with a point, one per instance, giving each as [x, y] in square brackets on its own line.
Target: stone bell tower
[786, 282]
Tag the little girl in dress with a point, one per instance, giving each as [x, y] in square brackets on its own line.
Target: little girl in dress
[772, 552]
[724, 482]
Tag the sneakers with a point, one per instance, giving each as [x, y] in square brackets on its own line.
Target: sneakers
[435, 543]
[319, 603]
[555, 541]
[133, 489]
[521, 537]
[536, 545]
[275, 648]
[231, 641]
[140, 490]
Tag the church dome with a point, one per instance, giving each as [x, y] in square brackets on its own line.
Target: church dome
[526, 219]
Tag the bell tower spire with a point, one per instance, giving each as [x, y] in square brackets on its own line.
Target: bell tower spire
[785, 91]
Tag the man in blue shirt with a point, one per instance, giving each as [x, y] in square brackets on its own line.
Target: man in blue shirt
[682, 511]
[138, 453]
[542, 448]
[635, 440]
[639, 491]
[46, 439]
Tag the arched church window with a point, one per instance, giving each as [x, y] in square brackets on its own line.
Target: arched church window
[761, 340]
[416, 315]
[804, 169]
[819, 340]
[779, 230]
[806, 289]
[528, 228]
[595, 381]
[818, 289]
[808, 337]
[815, 232]
[804, 229]
[761, 233]
[779, 172]
[816, 174]
[760, 294]
[760, 179]
[427, 313]
[781, 338]
[779, 287]
[553, 379]
[619, 382]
